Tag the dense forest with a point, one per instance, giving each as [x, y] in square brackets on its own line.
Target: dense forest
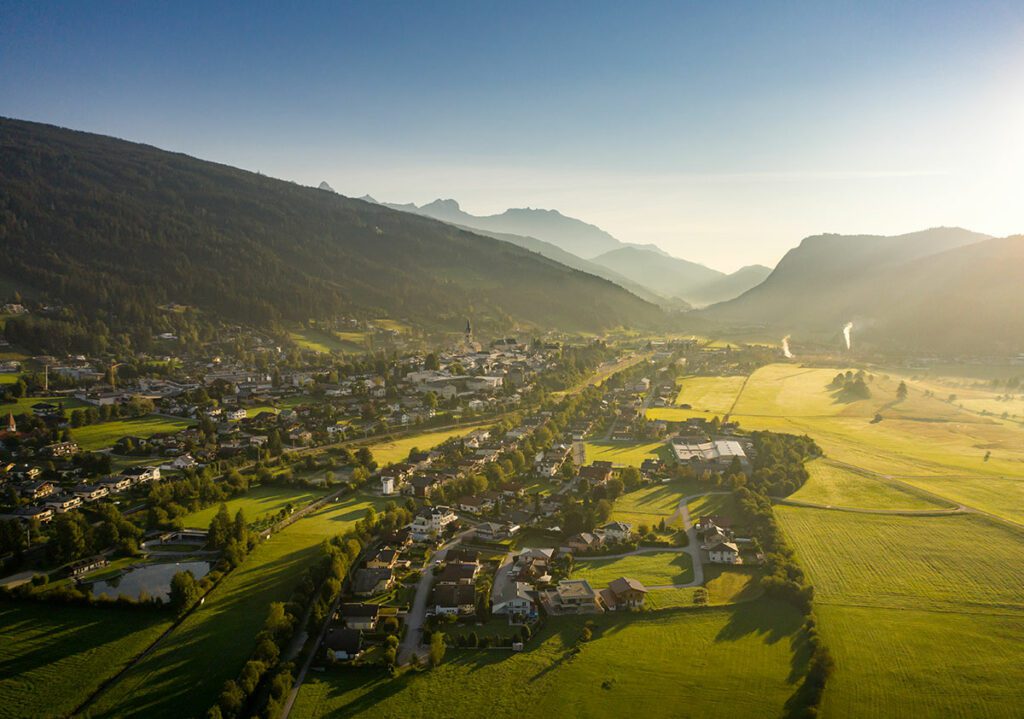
[113, 231]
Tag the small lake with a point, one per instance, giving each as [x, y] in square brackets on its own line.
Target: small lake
[154, 579]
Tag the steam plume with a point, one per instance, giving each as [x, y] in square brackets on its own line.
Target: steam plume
[846, 333]
[785, 347]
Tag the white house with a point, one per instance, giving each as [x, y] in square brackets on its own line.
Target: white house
[387, 486]
[430, 522]
[724, 553]
[237, 414]
[513, 599]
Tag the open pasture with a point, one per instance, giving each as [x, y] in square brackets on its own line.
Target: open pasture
[709, 395]
[907, 662]
[23, 405]
[51, 659]
[105, 434]
[654, 664]
[652, 569]
[955, 563]
[838, 486]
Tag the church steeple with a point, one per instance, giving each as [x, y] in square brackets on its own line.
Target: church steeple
[12, 426]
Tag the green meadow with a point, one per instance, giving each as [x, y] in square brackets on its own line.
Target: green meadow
[397, 450]
[626, 454]
[937, 601]
[257, 503]
[736, 661]
[105, 434]
[649, 505]
[835, 485]
[653, 569]
[51, 659]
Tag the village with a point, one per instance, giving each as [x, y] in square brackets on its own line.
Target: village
[502, 512]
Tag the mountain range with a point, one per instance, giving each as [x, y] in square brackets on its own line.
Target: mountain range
[946, 290]
[113, 229]
[646, 270]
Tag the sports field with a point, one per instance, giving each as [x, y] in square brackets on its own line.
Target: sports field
[653, 664]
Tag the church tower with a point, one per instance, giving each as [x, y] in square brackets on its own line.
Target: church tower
[12, 426]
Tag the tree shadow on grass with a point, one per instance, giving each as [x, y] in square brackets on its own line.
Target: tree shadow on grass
[771, 620]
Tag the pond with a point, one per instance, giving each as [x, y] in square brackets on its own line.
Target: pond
[153, 579]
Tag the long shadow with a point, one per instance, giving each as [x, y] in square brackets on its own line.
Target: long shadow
[773, 621]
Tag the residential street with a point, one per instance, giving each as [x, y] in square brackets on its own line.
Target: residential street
[410, 646]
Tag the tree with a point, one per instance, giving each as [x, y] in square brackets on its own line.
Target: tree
[70, 536]
[437, 648]
[901, 391]
[220, 530]
[184, 591]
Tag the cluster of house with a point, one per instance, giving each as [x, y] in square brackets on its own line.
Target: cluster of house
[577, 596]
[45, 498]
[378, 574]
[718, 540]
[354, 626]
[610, 534]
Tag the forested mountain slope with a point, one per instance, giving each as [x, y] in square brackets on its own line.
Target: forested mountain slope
[114, 229]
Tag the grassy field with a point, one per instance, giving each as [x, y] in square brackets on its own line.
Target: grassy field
[955, 562]
[713, 505]
[649, 505]
[183, 676]
[623, 454]
[654, 664]
[725, 585]
[105, 434]
[710, 395]
[258, 503]
[935, 665]
[24, 405]
[937, 601]
[51, 660]
[839, 486]
[326, 342]
[9, 378]
[398, 450]
[653, 569]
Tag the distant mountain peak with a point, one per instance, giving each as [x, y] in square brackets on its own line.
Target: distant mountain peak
[448, 205]
[369, 198]
[324, 186]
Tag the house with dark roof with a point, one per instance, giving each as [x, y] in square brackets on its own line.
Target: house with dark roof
[458, 599]
[360, 616]
[623, 593]
[344, 644]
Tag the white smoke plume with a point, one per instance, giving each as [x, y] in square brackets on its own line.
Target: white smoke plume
[846, 333]
[785, 347]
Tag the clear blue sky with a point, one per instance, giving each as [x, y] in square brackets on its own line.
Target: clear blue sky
[724, 132]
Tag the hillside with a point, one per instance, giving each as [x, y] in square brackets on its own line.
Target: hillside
[572, 235]
[943, 290]
[114, 229]
[553, 252]
[729, 286]
[666, 276]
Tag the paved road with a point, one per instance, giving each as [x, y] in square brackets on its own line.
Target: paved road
[693, 546]
[410, 647]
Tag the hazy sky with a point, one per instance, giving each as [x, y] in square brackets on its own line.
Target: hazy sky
[724, 132]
